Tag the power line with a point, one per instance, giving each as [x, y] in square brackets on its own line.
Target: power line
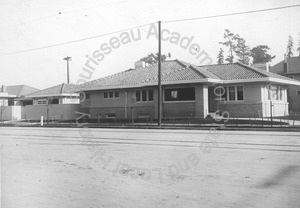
[74, 41]
[231, 14]
[170, 21]
[59, 14]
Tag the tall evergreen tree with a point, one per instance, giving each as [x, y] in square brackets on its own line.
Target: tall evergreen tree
[298, 49]
[230, 42]
[220, 56]
[242, 50]
[289, 48]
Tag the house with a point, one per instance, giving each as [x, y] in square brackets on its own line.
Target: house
[59, 94]
[55, 103]
[9, 95]
[290, 67]
[10, 105]
[188, 91]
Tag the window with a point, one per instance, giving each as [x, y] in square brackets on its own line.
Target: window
[180, 94]
[150, 95]
[105, 94]
[110, 115]
[297, 92]
[274, 92]
[55, 101]
[111, 94]
[42, 102]
[233, 93]
[240, 92]
[3, 102]
[143, 115]
[144, 95]
[138, 96]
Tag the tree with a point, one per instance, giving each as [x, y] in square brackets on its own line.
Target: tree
[242, 50]
[260, 54]
[230, 42]
[220, 56]
[298, 49]
[289, 48]
[153, 58]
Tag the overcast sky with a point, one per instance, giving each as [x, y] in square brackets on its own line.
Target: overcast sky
[33, 24]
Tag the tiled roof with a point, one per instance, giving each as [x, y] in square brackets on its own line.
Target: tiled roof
[176, 71]
[233, 71]
[293, 66]
[237, 71]
[55, 90]
[172, 71]
[20, 90]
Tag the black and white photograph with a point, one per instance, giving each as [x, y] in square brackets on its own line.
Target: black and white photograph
[150, 103]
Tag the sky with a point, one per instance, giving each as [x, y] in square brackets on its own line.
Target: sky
[80, 29]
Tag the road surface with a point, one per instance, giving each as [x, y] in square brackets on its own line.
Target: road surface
[90, 168]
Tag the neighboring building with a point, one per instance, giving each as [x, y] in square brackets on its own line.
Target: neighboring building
[55, 103]
[10, 105]
[290, 67]
[10, 95]
[59, 94]
[188, 91]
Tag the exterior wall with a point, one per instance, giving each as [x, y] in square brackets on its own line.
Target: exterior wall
[179, 109]
[293, 98]
[126, 106]
[68, 100]
[56, 112]
[123, 107]
[3, 102]
[11, 112]
[256, 103]
[61, 100]
[250, 106]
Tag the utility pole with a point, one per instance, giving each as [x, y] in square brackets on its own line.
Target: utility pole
[68, 59]
[159, 107]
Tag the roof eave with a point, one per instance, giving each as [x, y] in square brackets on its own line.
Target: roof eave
[206, 80]
[74, 94]
[283, 81]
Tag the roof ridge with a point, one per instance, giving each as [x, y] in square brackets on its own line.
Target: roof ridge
[197, 71]
[215, 64]
[44, 89]
[253, 69]
[180, 62]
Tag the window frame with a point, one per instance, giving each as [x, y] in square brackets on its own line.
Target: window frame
[279, 93]
[107, 94]
[44, 99]
[140, 95]
[226, 99]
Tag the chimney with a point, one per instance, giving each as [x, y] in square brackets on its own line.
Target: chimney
[263, 66]
[3, 88]
[139, 64]
[267, 67]
[285, 64]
